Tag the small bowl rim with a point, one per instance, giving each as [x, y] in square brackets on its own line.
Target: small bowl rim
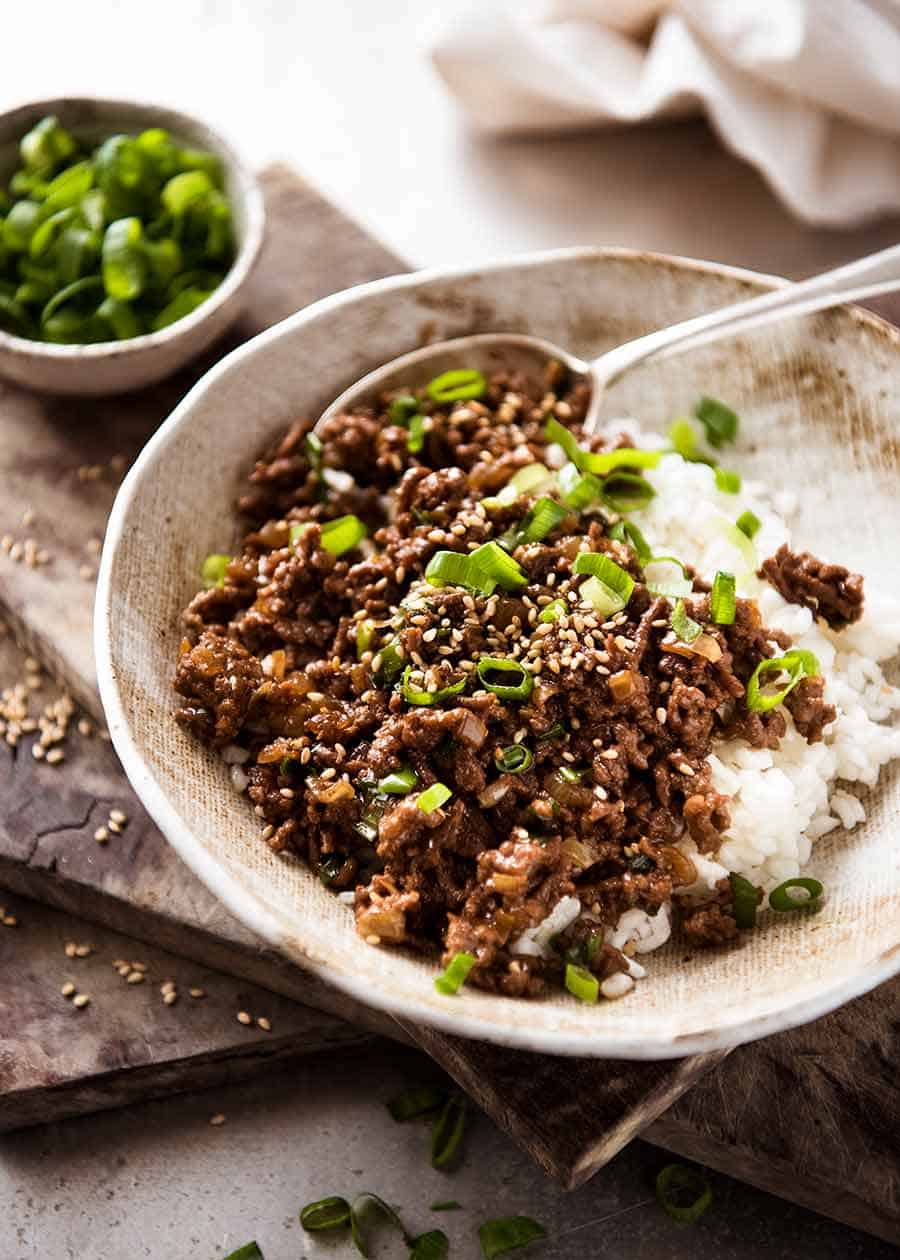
[251, 197]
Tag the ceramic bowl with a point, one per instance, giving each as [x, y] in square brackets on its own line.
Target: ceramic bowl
[819, 399]
[117, 366]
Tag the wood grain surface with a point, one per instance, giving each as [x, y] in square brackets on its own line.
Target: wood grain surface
[572, 1115]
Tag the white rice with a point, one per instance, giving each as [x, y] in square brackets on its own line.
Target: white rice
[781, 802]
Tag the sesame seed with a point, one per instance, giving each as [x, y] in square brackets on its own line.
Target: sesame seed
[686, 769]
[197, 992]
[372, 939]
[114, 827]
[10, 921]
[264, 1024]
[315, 697]
[117, 816]
[81, 1000]
[170, 998]
[68, 989]
[217, 1120]
[138, 966]
[661, 716]
[55, 756]
[83, 951]
[101, 835]
[69, 949]
[135, 977]
[244, 1018]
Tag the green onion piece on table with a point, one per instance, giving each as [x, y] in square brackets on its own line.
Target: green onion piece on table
[519, 682]
[399, 783]
[686, 629]
[330, 1213]
[448, 1131]
[416, 1103]
[20, 224]
[364, 1208]
[434, 797]
[749, 524]
[556, 608]
[249, 1251]
[343, 534]
[727, 481]
[508, 1233]
[720, 422]
[457, 385]
[419, 696]
[797, 664]
[454, 975]
[435, 1245]
[212, 571]
[722, 600]
[745, 899]
[416, 440]
[582, 983]
[780, 898]
[515, 759]
[683, 1193]
[611, 587]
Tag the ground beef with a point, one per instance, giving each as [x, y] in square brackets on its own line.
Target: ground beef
[830, 590]
[352, 685]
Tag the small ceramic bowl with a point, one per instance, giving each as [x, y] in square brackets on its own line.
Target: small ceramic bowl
[118, 366]
[818, 399]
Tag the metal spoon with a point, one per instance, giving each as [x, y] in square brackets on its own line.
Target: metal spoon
[877, 273]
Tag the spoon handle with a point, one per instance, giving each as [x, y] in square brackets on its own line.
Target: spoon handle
[877, 273]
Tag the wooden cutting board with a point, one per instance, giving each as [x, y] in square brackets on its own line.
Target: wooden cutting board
[58, 466]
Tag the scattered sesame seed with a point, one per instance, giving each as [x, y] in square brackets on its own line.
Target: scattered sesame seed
[68, 989]
[55, 756]
[83, 951]
[243, 1017]
[197, 992]
[101, 835]
[117, 816]
[217, 1120]
[135, 977]
[170, 998]
[81, 1000]
[264, 1024]
[114, 827]
[372, 939]
[10, 921]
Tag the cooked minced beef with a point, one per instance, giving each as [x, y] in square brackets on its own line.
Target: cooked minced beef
[830, 590]
[296, 657]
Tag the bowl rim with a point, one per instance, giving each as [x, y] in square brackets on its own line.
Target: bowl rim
[248, 190]
[250, 908]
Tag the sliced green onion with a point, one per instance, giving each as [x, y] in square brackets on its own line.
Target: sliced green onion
[570, 774]
[416, 1102]
[330, 1213]
[448, 1131]
[722, 602]
[683, 1193]
[249, 1251]
[611, 587]
[520, 682]
[448, 568]
[748, 523]
[343, 534]
[601, 464]
[626, 492]
[120, 317]
[531, 477]
[435, 1245]
[561, 436]
[46, 145]
[536, 525]
[515, 759]
[399, 783]
[494, 567]
[508, 1233]
[364, 1207]
[720, 422]
[312, 444]
[797, 664]
[556, 731]
[455, 974]
[212, 570]
[683, 437]
[745, 899]
[556, 608]
[578, 489]
[329, 868]
[739, 540]
[727, 481]
[419, 696]
[390, 665]
[446, 1205]
[780, 898]
[686, 629]
[628, 532]
[184, 191]
[124, 267]
[671, 588]
[416, 440]
[402, 408]
[433, 798]
[365, 635]
[582, 983]
[456, 385]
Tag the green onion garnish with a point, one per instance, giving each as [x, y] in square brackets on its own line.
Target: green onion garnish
[312, 444]
[212, 571]
[343, 534]
[456, 385]
[628, 532]
[416, 1102]
[435, 1245]
[683, 439]
[745, 899]
[780, 898]
[528, 479]
[124, 268]
[582, 983]
[402, 408]
[330, 1213]
[416, 695]
[561, 436]
[448, 1131]
[433, 798]
[454, 975]
[449, 568]
[249, 1251]
[399, 783]
[365, 1206]
[600, 463]
[515, 759]
[609, 587]
[45, 146]
[390, 660]
[519, 682]
[483, 570]
[556, 731]
[722, 602]
[626, 492]
[416, 440]
[686, 629]
[727, 481]
[683, 1193]
[720, 422]
[570, 774]
[508, 1233]
[797, 664]
[556, 608]
[738, 539]
[748, 523]
[578, 489]
[536, 525]
[365, 635]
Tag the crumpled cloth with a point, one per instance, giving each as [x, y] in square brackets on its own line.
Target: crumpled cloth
[808, 91]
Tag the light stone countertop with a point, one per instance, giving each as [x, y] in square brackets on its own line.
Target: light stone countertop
[344, 91]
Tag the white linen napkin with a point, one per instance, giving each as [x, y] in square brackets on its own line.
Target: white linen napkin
[808, 91]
